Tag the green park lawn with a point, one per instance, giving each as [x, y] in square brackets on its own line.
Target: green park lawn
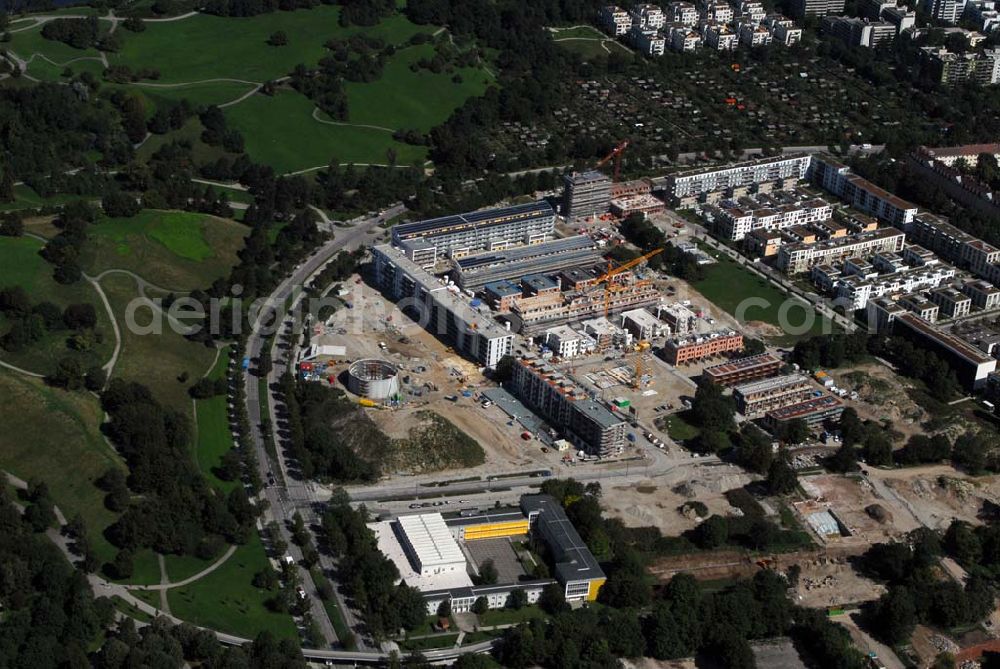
[175, 250]
[728, 285]
[69, 454]
[577, 32]
[210, 47]
[226, 600]
[199, 94]
[214, 437]
[157, 359]
[281, 132]
[679, 429]
[26, 43]
[510, 616]
[422, 100]
[26, 198]
[22, 266]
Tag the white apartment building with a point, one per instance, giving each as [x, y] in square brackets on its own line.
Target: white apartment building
[683, 38]
[833, 176]
[684, 13]
[800, 257]
[949, 11]
[720, 37]
[565, 342]
[649, 42]
[901, 18]
[859, 290]
[615, 20]
[755, 10]
[749, 173]
[984, 295]
[783, 29]
[736, 223]
[720, 12]
[754, 35]
[648, 17]
[984, 13]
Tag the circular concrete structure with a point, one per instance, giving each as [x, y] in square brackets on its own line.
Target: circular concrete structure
[374, 379]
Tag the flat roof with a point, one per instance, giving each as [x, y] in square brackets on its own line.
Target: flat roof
[810, 406]
[431, 539]
[388, 544]
[742, 364]
[955, 344]
[503, 288]
[481, 218]
[539, 282]
[599, 413]
[502, 515]
[456, 303]
[765, 385]
[566, 245]
[574, 561]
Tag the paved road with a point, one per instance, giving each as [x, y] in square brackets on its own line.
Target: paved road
[657, 468]
[290, 495]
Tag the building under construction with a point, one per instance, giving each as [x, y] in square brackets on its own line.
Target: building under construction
[474, 272]
[624, 292]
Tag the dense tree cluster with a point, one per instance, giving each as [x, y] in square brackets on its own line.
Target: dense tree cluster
[50, 615]
[367, 574]
[917, 592]
[63, 250]
[910, 359]
[77, 33]
[316, 444]
[681, 623]
[255, 7]
[30, 322]
[174, 510]
[49, 128]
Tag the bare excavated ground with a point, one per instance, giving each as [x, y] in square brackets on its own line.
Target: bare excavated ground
[645, 502]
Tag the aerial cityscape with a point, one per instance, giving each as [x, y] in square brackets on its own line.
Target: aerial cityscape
[500, 333]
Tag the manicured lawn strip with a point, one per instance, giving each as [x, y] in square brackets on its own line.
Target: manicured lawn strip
[679, 429]
[69, 454]
[176, 250]
[281, 132]
[214, 437]
[151, 597]
[332, 610]
[131, 610]
[226, 599]
[727, 285]
[510, 616]
[402, 98]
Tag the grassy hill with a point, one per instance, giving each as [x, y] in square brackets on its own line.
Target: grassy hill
[176, 250]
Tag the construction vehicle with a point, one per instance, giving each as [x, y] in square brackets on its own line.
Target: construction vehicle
[616, 153]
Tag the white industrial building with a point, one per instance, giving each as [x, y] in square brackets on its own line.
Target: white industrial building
[430, 545]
